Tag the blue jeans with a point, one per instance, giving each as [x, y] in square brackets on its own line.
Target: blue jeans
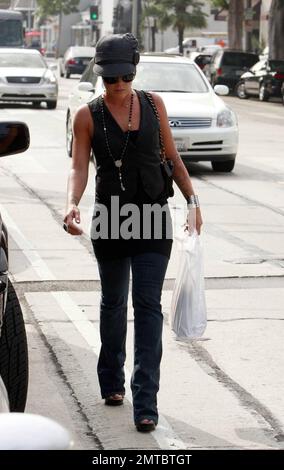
[148, 273]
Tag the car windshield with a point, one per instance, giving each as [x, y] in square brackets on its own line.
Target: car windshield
[235, 59]
[11, 33]
[22, 60]
[169, 77]
[277, 65]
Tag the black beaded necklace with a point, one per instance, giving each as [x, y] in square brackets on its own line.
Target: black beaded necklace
[118, 162]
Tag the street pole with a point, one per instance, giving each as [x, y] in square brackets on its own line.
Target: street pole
[135, 17]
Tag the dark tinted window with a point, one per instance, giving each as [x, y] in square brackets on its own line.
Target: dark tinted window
[11, 33]
[277, 65]
[239, 59]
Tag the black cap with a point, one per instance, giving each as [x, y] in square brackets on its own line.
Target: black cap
[116, 55]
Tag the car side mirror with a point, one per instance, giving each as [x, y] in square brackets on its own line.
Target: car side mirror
[86, 86]
[14, 138]
[221, 90]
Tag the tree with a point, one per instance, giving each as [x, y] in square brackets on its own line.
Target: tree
[276, 30]
[57, 7]
[235, 21]
[180, 14]
[160, 19]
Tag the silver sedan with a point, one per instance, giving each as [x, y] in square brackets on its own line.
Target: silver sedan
[25, 76]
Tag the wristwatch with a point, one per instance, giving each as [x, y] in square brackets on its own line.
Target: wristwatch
[192, 200]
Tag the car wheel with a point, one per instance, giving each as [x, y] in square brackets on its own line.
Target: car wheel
[69, 135]
[14, 368]
[263, 93]
[225, 167]
[241, 91]
[51, 104]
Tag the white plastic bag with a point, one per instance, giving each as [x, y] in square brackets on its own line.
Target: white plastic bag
[188, 307]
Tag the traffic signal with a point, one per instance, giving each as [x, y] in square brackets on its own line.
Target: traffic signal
[94, 12]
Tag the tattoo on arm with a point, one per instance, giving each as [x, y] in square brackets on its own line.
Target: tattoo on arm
[181, 176]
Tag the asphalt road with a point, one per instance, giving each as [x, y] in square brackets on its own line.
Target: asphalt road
[224, 392]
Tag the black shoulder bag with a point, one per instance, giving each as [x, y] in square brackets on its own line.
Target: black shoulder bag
[167, 165]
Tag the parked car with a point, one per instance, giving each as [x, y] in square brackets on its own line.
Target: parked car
[226, 67]
[25, 76]
[192, 44]
[200, 59]
[264, 79]
[211, 49]
[75, 60]
[18, 430]
[14, 138]
[203, 126]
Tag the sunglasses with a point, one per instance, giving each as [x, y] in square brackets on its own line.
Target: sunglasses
[125, 78]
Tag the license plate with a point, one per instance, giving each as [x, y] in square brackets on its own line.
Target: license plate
[85, 62]
[181, 145]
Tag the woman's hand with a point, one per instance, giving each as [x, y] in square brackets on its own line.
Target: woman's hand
[194, 220]
[73, 213]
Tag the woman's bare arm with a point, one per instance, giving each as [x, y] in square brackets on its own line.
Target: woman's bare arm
[83, 130]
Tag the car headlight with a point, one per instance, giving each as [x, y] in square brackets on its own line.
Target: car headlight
[226, 118]
[49, 78]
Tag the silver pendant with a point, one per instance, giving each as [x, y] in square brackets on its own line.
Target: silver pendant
[118, 163]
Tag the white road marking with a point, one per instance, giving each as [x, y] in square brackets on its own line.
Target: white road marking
[164, 434]
[27, 248]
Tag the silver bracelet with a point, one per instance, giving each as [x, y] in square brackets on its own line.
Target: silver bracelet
[192, 200]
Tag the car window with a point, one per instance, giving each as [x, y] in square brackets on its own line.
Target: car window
[16, 59]
[276, 65]
[235, 59]
[89, 75]
[171, 77]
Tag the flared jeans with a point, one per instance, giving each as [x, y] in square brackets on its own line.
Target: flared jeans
[148, 273]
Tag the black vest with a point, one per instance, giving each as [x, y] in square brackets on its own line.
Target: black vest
[141, 162]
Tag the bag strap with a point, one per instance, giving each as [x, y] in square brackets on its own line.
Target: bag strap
[154, 107]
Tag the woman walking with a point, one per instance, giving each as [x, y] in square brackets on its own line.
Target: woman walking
[122, 128]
